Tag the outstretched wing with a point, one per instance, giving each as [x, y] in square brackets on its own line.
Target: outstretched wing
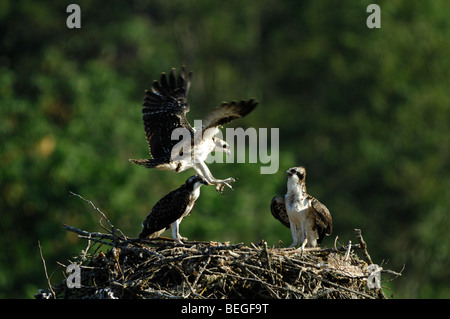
[278, 209]
[227, 112]
[166, 211]
[165, 108]
[324, 222]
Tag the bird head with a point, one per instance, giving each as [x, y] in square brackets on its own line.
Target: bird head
[196, 181]
[222, 146]
[296, 174]
[226, 148]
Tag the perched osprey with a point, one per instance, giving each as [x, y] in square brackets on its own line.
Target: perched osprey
[164, 111]
[171, 209]
[308, 219]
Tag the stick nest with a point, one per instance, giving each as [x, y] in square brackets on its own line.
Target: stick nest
[163, 269]
[160, 268]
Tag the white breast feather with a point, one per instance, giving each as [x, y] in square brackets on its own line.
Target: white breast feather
[194, 196]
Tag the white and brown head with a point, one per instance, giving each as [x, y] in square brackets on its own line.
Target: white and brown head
[296, 178]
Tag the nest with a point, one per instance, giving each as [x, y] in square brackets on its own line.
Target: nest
[160, 268]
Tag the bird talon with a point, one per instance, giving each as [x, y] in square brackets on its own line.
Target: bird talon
[221, 185]
[220, 188]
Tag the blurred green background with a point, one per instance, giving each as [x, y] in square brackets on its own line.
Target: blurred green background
[366, 111]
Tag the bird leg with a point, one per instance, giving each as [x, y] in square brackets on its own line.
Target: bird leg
[204, 171]
[294, 235]
[304, 245]
[176, 232]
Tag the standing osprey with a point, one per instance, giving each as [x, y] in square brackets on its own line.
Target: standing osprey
[165, 108]
[308, 219]
[171, 209]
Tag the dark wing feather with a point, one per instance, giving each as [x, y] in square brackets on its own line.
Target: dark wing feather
[324, 222]
[165, 108]
[160, 162]
[166, 211]
[278, 209]
[227, 112]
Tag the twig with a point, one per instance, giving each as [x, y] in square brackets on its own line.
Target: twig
[335, 242]
[269, 289]
[342, 287]
[159, 293]
[113, 230]
[363, 245]
[293, 251]
[137, 251]
[45, 270]
[269, 263]
[349, 249]
[86, 249]
[88, 234]
[194, 285]
[94, 207]
[323, 293]
[391, 272]
[292, 289]
[186, 280]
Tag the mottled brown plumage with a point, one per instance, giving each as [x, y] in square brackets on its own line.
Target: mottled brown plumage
[172, 208]
[278, 209]
[306, 217]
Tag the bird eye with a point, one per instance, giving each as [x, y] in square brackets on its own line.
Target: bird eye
[224, 145]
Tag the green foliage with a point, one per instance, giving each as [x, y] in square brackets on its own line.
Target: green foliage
[366, 111]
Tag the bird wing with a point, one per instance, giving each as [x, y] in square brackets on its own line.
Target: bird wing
[278, 209]
[227, 112]
[324, 221]
[166, 211]
[164, 109]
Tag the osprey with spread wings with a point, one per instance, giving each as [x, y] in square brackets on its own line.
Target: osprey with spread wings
[164, 112]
